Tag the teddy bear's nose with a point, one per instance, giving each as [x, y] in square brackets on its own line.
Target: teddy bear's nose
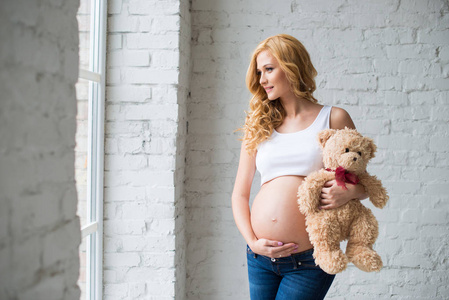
[354, 159]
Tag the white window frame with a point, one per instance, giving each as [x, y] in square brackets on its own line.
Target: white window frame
[93, 231]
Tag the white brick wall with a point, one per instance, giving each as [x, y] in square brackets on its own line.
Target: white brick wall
[148, 70]
[39, 229]
[386, 62]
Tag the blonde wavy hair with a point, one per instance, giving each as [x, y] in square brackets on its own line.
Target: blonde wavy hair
[265, 115]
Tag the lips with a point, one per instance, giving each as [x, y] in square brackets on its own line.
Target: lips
[268, 89]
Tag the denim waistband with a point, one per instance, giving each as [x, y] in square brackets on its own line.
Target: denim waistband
[296, 257]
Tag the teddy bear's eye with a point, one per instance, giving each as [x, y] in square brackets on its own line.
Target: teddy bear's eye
[360, 153]
[347, 149]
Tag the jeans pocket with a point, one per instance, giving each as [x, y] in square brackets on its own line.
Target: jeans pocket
[250, 252]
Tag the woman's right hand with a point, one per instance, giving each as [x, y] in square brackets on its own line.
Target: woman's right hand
[273, 249]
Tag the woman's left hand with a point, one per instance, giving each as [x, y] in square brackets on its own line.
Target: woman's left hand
[333, 196]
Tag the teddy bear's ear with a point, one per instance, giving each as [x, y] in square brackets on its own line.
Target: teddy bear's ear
[324, 135]
[370, 146]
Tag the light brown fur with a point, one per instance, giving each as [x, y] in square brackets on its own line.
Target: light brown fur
[352, 221]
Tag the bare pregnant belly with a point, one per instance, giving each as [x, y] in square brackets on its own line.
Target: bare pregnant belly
[275, 214]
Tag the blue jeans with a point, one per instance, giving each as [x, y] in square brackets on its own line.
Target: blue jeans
[287, 278]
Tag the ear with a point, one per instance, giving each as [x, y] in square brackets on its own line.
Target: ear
[369, 144]
[324, 135]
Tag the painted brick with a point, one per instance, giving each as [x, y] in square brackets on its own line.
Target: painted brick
[148, 243]
[153, 76]
[40, 232]
[137, 58]
[115, 59]
[367, 63]
[121, 259]
[132, 93]
[124, 227]
[151, 41]
[121, 162]
[160, 193]
[150, 112]
[115, 42]
[113, 76]
[433, 37]
[161, 162]
[165, 59]
[121, 23]
[146, 108]
[115, 7]
[139, 7]
[164, 24]
[116, 291]
[53, 286]
[124, 193]
[137, 290]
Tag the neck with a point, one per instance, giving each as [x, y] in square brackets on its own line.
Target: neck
[293, 105]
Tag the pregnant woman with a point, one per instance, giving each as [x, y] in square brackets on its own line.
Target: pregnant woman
[280, 142]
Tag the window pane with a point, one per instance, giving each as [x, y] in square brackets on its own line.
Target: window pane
[89, 139]
[83, 17]
[81, 148]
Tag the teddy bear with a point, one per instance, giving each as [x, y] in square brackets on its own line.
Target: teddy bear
[346, 154]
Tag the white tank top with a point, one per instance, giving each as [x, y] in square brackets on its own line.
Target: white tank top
[296, 153]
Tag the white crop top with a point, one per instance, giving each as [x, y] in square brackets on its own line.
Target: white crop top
[296, 153]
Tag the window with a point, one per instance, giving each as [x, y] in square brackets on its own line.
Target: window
[89, 150]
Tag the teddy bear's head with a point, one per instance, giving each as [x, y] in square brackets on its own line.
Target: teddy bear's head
[346, 148]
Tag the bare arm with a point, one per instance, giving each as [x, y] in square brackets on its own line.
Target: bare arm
[340, 119]
[333, 196]
[241, 194]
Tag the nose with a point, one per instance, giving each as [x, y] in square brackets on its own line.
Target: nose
[262, 79]
[354, 159]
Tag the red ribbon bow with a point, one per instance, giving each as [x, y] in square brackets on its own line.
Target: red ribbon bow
[342, 176]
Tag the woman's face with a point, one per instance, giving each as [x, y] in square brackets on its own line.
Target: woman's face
[272, 78]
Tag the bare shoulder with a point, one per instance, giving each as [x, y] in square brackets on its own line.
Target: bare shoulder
[340, 118]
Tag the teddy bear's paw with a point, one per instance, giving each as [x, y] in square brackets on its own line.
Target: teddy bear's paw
[332, 262]
[333, 269]
[368, 262]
